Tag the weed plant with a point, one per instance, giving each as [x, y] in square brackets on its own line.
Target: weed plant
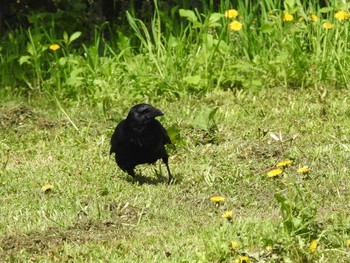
[295, 46]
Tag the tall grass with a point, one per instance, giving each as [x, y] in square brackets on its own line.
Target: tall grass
[200, 53]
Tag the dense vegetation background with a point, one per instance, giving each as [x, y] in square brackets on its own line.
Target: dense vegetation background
[186, 46]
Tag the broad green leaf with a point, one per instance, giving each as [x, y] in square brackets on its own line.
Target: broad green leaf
[62, 61]
[30, 49]
[267, 27]
[192, 79]
[196, 25]
[74, 36]
[256, 83]
[173, 41]
[223, 47]
[282, 57]
[65, 37]
[100, 83]
[210, 40]
[204, 120]
[296, 222]
[75, 79]
[295, 9]
[214, 18]
[24, 59]
[289, 4]
[326, 9]
[189, 14]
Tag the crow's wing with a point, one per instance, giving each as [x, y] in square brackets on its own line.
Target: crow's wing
[164, 133]
[118, 136]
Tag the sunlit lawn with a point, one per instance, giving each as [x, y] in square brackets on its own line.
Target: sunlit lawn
[94, 212]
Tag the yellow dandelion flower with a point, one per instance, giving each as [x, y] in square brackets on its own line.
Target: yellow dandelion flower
[314, 17]
[234, 244]
[54, 47]
[342, 15]
[304, 170]
[232, 13]
[236, 26]
[313, 246]
[274, 172]
[288, 17]
[228, 215]
[348, 242]
[328, 25]
[284, 163]
[269, 248]
[217, 199]
[243, 259]
[47, 188]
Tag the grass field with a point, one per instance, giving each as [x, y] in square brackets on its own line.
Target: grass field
[95, 213]
[255, 96]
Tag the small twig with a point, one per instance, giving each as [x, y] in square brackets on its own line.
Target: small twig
[65, 113]
[7, 160]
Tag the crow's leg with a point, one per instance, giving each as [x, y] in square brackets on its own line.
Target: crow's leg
[170, 176]
[165, 160]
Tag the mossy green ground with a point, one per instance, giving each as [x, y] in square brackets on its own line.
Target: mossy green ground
[96, 213]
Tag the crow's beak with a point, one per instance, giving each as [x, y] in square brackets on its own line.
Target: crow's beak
[157, 112]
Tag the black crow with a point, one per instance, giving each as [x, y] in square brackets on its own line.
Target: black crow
[139, 139]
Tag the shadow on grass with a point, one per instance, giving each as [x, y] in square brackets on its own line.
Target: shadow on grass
[159, 179]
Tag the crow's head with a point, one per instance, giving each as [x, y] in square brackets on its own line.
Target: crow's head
[142, 114]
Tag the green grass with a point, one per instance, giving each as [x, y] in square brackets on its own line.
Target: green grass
[235, 103]
[95, 212]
